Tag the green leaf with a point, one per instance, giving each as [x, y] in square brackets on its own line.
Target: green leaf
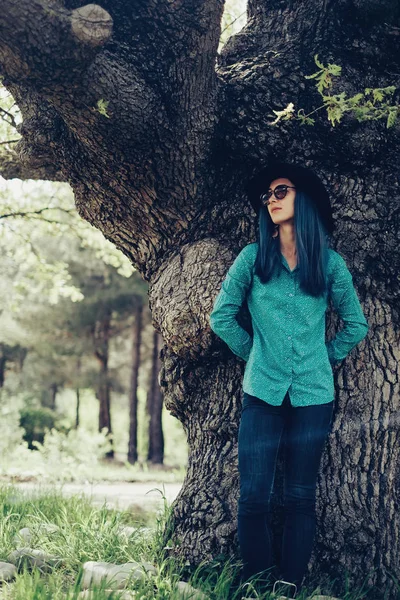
[313, 76]
[306, 120]
[324, 81]
[392, 116]
[102, 106]
[355, 100]
[362, 113]
[334, 69]
[377, 94]
[389, 90]
[318, 63]
[285, 114]
[335, 113]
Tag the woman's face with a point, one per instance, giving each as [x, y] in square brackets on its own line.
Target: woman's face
[282, 211]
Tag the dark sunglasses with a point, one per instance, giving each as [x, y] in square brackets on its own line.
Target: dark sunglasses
[279, 192]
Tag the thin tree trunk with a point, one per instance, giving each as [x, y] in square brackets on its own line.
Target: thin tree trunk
[133, 398]
[78, 401]
[53, 396]
[3, 362]
[154, 406]
[77, 392]
[101, 340]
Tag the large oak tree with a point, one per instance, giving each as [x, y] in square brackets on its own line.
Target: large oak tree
[158, 135]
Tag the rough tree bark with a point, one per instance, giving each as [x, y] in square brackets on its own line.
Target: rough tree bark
[160, 165]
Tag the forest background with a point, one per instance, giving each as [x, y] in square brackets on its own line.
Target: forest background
[78, 352]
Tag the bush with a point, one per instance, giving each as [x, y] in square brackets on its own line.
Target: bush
[72, 455]
[11, 432]
[35, 422]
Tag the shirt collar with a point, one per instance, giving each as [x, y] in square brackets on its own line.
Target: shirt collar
[285, 264]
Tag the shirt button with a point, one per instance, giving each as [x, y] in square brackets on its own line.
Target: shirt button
[289, 337]
[291, 295]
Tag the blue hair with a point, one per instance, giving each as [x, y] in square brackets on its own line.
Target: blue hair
[311, 241]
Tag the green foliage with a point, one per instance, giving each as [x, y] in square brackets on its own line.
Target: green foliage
[324, 75]
[66, 453]
[84, 532]
[371, 105]
[284, 114]
[11, 432]
[35, 422]
[101, 107]
[63, 456]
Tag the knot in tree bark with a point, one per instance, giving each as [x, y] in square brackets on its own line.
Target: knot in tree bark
[182, 295]
[91, 25]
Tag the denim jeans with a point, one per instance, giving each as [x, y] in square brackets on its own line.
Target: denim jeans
[304, 430]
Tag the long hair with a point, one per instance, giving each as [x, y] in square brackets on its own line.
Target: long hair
[311, 241]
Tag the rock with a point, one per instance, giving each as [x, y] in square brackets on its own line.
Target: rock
[116, 575]
[8, 571]
[188, 592]
[24, 535]
[128, 531]
[27, 534]
[316, 594]
[34, 558]
[318, 597]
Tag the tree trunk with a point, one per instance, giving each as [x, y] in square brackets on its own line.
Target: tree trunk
[133, 398]
[3, 362]
[101, 338]
[53, 395]
[77, 392]
[155, 452]
[158, 140]
[78, 404]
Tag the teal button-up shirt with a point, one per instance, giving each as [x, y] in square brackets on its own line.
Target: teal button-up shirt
[288, 351]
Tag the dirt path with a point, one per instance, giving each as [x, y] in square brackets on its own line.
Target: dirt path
[115, 495]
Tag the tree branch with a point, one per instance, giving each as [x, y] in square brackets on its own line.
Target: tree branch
[263, 69]
[39, 39]
[132, 126]
[7, 117]
[34, 213]
[12, 168]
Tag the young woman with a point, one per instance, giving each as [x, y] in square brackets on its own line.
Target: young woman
[287, 277]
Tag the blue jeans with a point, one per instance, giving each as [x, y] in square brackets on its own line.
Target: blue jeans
[305, 430]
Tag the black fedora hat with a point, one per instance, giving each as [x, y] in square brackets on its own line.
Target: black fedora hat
[303, 178]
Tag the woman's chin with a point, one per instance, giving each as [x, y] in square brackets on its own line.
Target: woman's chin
[281, 220]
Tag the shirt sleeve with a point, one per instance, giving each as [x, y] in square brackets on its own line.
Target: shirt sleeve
[347, 305]
[227, 304]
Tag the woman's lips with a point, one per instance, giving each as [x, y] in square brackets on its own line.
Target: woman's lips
[277, 208]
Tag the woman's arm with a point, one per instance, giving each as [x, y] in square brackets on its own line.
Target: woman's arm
[227, 304]
[347, 304]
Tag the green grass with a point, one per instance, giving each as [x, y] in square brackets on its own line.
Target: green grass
[88, 533]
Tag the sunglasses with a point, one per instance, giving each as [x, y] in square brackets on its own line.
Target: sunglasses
[279, 192]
